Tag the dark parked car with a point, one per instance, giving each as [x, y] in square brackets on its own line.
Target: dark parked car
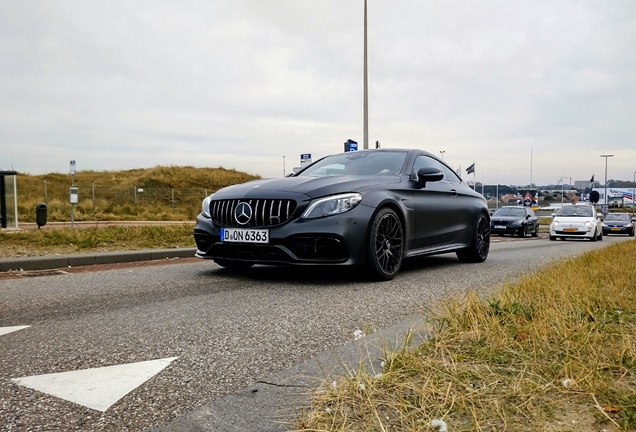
[516, 220]
[618, 223]
[372, 207]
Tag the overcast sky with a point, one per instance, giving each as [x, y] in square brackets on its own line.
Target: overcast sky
[527, 90]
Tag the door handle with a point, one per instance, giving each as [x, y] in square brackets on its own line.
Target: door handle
[453, 192]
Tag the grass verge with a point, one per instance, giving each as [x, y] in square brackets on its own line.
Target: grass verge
[555, 351]
[103, 239]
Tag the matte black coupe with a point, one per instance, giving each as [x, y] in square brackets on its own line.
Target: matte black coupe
[370, 208]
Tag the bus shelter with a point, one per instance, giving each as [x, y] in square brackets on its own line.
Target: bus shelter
[8, 200]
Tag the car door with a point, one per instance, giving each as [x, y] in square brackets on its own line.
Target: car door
[438, 207]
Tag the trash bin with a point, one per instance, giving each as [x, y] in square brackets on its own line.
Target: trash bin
[40, 214]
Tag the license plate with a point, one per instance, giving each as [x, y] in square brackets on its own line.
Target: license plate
[500, 227]
[570, 230]
[242, 235]
[615, 229]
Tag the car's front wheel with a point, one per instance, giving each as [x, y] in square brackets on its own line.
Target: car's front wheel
[535, 233]
[478, 250]
[385, 245]
[522, 231]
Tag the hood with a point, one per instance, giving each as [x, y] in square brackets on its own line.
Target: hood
[302, 186]
[574, 219]
[507, 218]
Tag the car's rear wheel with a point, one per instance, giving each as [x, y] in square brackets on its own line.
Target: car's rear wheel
[478, 250]
[385, 245]
[234, 265]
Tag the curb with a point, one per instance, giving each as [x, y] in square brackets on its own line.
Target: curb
[77, 260]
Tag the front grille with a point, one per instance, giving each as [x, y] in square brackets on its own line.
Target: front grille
[265, 212]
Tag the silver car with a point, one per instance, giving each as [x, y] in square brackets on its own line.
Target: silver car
[576, 221]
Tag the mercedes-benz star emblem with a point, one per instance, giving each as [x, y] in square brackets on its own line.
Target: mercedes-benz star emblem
[243, 213]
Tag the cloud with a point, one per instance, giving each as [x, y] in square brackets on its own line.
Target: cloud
[244, 83]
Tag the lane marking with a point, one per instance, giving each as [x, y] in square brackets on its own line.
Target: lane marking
[7, 330]
[97, 388]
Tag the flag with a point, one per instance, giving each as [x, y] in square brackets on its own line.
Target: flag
[592, 179]
[470, 169]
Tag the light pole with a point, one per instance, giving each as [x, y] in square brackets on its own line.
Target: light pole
[442, 152]
[606, 156]
[365, 121]
[633, 197]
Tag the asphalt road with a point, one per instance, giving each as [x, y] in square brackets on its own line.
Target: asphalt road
[227, 331]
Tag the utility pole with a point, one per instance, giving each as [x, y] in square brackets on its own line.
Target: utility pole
[365, 121]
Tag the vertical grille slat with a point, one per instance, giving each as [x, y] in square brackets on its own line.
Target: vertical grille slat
[265, 212]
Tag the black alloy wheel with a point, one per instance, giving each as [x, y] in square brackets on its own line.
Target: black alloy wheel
[478, 250]
[522, 231]
[385, 245]
[535, 233]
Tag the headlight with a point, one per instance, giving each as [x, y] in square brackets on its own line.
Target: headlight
[514, 224]
[205, 207]
[555, 223]
[629, 225]
[332, 205]
[604, 224]
[589, 224]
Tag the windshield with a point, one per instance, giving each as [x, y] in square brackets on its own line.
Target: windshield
[358, 164]
[618, 217]
[576, 211]
[515, 212]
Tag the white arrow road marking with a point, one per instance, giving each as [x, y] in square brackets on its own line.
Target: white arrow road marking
[96, 388]
[7, 330]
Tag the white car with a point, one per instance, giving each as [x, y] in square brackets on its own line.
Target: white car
[576, 221]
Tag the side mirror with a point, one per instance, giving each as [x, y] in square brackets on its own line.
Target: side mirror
[553, 214]
[428, 174]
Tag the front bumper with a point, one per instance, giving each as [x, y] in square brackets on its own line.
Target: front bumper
[617, 230]
[334, 240]
[507, 229]
[581, 232]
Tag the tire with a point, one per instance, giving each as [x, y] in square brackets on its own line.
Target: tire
[522, 231]
[234, 265]
[478, 250]
[535, 233]
[385, 245]
[553, 238]
[600, 236]
[631, 234]
[594, 237]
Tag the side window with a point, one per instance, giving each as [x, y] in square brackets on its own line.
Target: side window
[425, 161]
[450, 175]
